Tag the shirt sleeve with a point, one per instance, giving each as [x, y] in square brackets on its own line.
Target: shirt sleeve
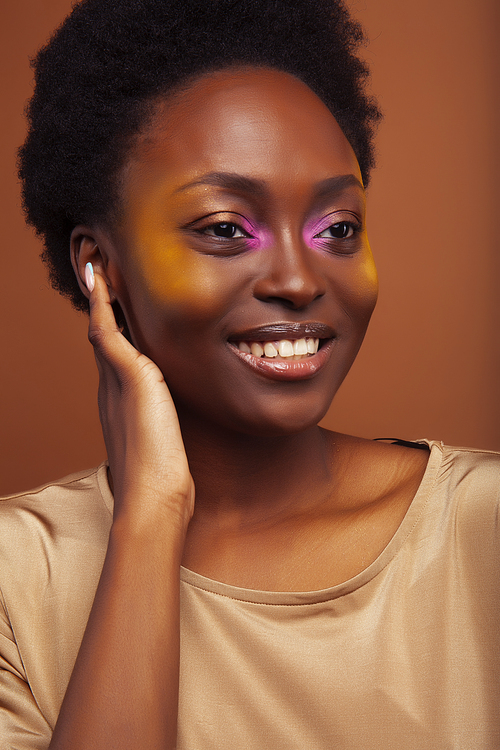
[22, 724]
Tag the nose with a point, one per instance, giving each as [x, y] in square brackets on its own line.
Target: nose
[290, 274]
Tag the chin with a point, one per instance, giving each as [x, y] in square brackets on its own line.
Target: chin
[288, 420]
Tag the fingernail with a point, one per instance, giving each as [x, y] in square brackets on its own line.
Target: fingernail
[89, 277]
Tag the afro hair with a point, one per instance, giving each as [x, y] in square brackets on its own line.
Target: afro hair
[96, 78]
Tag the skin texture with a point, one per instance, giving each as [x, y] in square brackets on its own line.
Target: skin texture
[194, 288]
[280, 503]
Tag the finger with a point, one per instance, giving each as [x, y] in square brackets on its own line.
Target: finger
[104, 333]
[101, 312]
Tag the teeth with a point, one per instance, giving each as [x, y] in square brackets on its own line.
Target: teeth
[256, 349]
[312, 345]
[270, 350]
[300, 346]
[283, 348]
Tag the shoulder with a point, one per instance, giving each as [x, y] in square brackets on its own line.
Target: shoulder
[470, 476]
[53, 526]
[455, 517]
[479, 464]
[469, 481]
[57, 502]
[52, 545]
[466, 501]
[459, 484]
[465, 480]
[372, 472]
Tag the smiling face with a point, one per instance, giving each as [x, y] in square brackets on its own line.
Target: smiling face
[242, 243]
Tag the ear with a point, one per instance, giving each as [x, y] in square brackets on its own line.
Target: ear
[85, 247]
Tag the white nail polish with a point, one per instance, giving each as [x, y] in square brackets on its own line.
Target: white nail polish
[89, 277]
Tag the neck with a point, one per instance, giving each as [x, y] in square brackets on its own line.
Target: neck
[242, 477]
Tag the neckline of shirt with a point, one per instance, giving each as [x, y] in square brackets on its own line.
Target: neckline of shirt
[287, 598]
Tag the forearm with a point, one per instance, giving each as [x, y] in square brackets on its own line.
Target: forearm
[123, 692]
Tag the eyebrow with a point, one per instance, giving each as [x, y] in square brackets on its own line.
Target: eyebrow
[333, 185]
[250, 185]
[230, 181]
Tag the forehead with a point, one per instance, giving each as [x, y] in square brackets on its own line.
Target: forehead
[261, 123]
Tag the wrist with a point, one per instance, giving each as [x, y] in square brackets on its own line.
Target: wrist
[151, 518]
[151, 502]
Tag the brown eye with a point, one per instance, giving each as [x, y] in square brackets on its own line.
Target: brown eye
[339, 231]
[226, 230]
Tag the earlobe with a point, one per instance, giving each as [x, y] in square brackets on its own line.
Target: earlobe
[85, 248]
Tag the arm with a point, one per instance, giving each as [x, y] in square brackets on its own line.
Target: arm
[123, 692]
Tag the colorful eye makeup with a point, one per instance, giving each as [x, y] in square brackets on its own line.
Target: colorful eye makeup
[230, 234]
[336, 232]
[227, 234]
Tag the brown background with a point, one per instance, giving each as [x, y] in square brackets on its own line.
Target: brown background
[431, 363]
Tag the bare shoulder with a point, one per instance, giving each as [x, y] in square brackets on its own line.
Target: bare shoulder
[371, 472]
[374, 486]
[325, 537]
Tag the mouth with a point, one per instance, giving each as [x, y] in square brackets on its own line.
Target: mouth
[285, 351]
[290, 349]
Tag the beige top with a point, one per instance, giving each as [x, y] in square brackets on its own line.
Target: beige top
[404, 655]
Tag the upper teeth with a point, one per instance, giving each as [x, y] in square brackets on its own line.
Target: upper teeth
[284, 348]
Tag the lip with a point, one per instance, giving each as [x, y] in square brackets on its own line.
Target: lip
[291, 331]
[282, 369]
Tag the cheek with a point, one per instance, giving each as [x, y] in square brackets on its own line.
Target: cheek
[357, 288]
[368, 283]
[176, 280]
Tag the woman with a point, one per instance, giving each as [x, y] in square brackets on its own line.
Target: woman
[320, 590]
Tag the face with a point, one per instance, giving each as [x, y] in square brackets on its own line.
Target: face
[241, 262]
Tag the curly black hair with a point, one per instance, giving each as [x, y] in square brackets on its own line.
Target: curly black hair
[96, 78]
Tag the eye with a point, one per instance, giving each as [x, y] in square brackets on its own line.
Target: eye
[342, 230]
[225, 230]
[220, 234]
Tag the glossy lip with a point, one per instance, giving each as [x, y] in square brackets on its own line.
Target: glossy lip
[281, 369]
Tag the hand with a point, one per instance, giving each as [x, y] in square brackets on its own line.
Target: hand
[123, 692]
[141, 430]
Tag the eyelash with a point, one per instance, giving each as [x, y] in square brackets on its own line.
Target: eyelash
[243, 234]
[230, 238]
[353, 227]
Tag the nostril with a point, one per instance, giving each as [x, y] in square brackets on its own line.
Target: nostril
[291, 277]
[295, 301]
